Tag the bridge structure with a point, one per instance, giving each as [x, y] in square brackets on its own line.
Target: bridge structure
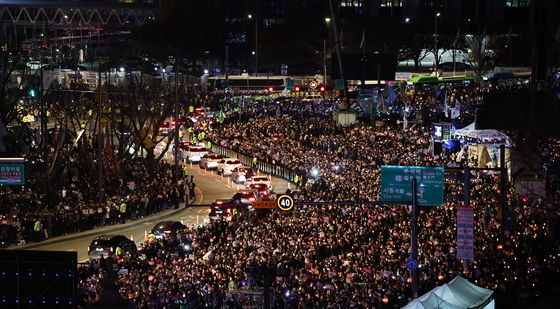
[86, 14]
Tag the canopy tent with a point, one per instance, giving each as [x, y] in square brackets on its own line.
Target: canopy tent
[428, 301]
[486, 135]
[457, 294]
[462, 293]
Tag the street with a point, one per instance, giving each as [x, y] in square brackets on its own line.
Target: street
[209, 188]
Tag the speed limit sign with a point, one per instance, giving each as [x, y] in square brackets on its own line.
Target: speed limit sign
[285, 202]
[313, 84]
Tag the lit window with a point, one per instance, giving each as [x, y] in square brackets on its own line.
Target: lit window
[518, 3]
[389, 3]
[352, 3]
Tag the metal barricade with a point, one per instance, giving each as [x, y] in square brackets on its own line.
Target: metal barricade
[275, 170]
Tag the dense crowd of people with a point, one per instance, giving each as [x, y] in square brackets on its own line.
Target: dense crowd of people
[337, 255]
[73, 206]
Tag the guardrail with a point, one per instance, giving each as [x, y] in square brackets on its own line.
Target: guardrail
[265, 167]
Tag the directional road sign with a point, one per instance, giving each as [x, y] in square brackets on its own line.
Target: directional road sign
[411, 264]
[396, 184]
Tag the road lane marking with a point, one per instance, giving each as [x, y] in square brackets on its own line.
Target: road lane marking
[201, 194]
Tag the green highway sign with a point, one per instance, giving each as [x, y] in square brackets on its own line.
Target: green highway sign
[396, 184]
[12, 173]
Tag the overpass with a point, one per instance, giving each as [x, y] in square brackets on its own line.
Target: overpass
[78, 14]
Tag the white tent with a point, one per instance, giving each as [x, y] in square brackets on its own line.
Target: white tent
[430, 301]
[462, 293]
[457, 294]
[486, 135]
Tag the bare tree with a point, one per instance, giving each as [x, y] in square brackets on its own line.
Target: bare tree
[415, 50]
[14, 78]
[478, 54]
[136, 116]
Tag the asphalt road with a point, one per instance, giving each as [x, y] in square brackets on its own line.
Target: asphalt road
[209, 188]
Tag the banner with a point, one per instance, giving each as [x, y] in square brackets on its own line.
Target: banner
[465, 233]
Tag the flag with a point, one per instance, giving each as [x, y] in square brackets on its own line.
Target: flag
[47, 80]
[108, 148]
[3, 133]
[405, 121]
[445, 106]
[456, 111]
[460, 155]
[391, 95]
[362, 43]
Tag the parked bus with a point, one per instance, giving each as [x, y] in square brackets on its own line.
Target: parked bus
[241, 83]
[507, 78]
[433, 82]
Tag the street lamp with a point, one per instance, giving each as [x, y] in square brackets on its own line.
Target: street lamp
[327, 21]
[250, 16]
[315, 172]
[438, 14]
[407, 20]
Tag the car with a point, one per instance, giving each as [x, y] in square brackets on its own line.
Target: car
[167, 228]
[240, 174]
[167, 127]
[222, 207]
[226, 166]
[107, 245]
[244, 197]
[183, 146]
[210, 161]
[257, 180]
[195, 153]
[312, 98]
[262, 189]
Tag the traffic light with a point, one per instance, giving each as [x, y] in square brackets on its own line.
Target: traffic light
[322, 88]
[297, 88]
[271, 89]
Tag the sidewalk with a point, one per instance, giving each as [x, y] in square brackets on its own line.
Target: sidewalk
[102, 230]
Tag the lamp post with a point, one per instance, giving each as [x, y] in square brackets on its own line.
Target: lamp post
[327, 21]
[250, 16]
[438, 14]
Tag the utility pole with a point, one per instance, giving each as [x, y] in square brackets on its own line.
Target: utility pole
[414, 238]
[177, 126]
[42, 103]
[99, 139]
[256, 45]
[338, 49]
[438, 14]
[226, 64]
[467, 199]
[503, 186]
[325, 62]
